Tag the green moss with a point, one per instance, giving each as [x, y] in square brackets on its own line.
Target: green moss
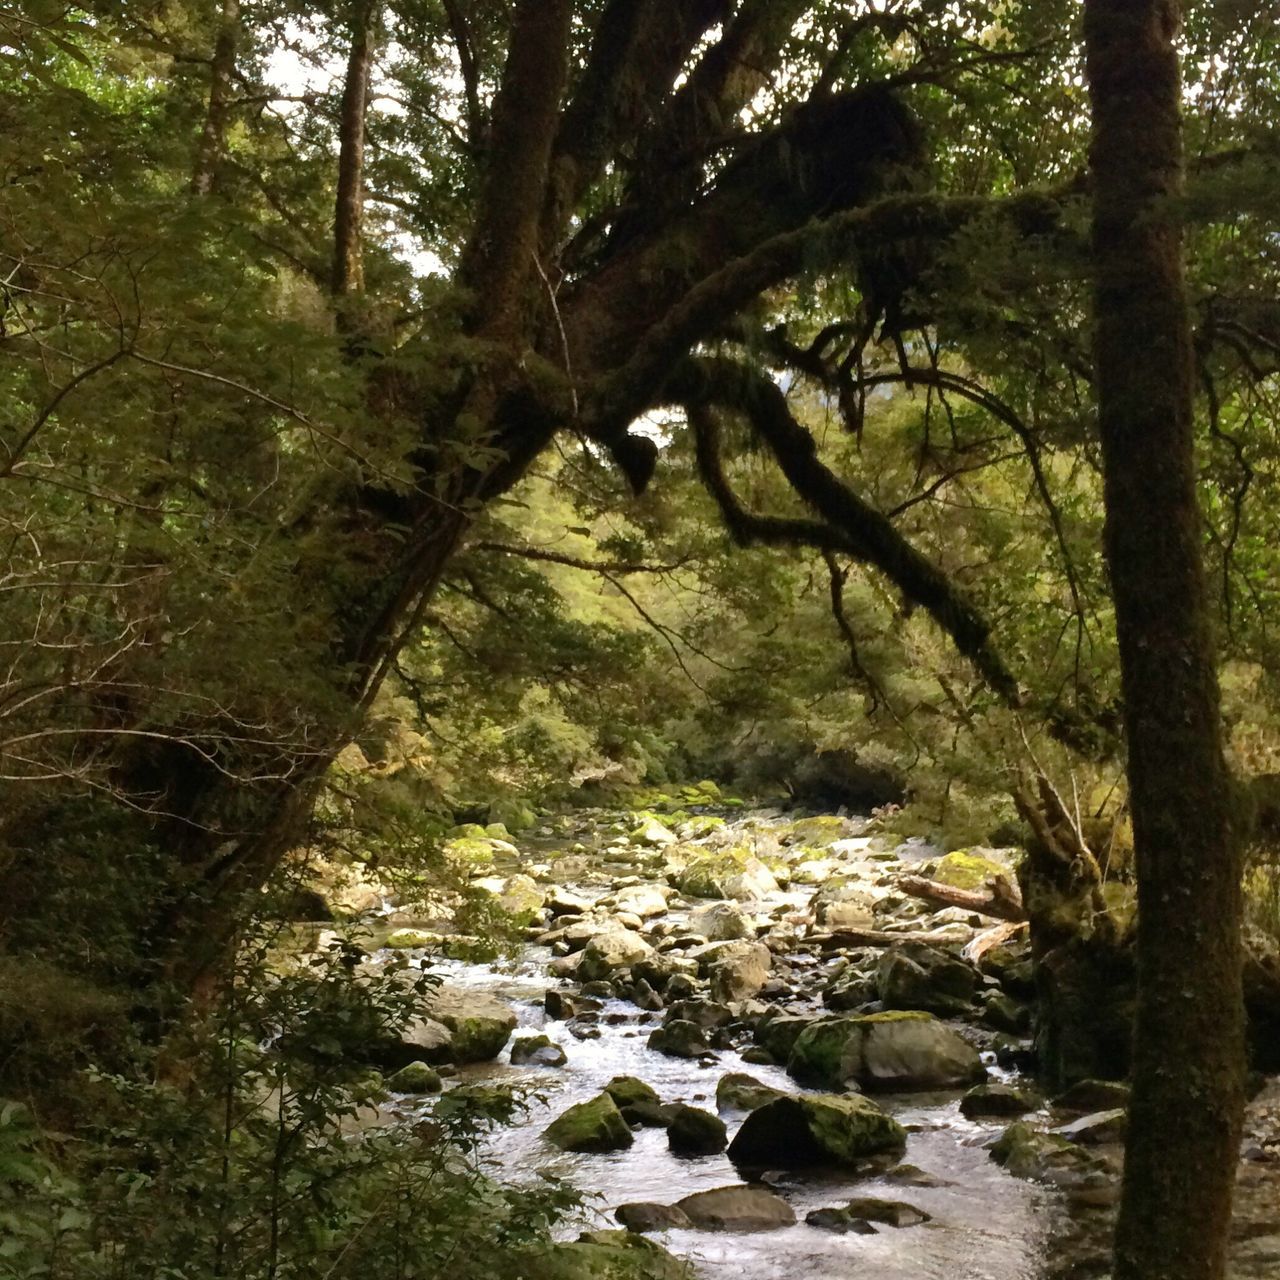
[897, 1015]
[964, 870]
[595, 1125]
[470, 849]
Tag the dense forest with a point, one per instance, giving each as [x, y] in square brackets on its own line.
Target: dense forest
[568, 558]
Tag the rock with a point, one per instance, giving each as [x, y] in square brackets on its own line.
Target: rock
[1093, 1095]
[756, 1056]
[694, 1132]
[728, 873]
[612, 949]
[821, 831]
[1044, 1157]
[913, 1176]
[415, 1077]
[738, 1091]
[520, 896]
[737, 1208]
[561, 902]
[916, 976]
[679, 1039]
[849, 990]
[537, 1051]
[969, 869]
[815, 1129]
[643, 900]
[888, 1051]
[595, 1125]
[627, 1090]
[647, 1216]
[996, 1100]
[1100, 1127]
[721, 922]
[737, 969]
[411, 939]
[456, 1025]
[652, 834]
[1001, 1012]
[599, 1255]
[894, 1213]
[843, 903]
[559, 1007]
[839, 1220]
[778, 1035]
[814, 871]
[708, 1014]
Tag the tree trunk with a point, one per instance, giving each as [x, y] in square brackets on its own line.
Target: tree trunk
[348, 268]
[221, 70]
[1189, 1042]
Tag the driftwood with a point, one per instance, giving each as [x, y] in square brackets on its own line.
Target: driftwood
[879, 938]
[994, 937]
[999, 898]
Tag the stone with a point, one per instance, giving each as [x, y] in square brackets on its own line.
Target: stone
[1026, 1152]
[996, 1100]
[1093, 1095]
[694, 1132]
[455, 1025]
[1098, 1128]
[737, 1208]
[559, 1007]
[647, 1216]
[594, 1126]
[626, 1090]
[885, 1051]
[814, 871]
[815, 1129]
[917, 976]
[643, 900]
[411, 939]
[848, 991]
[537, 1051]
[913, 1176]
[708, 1014]
[1001, 1012]
[679, 1039]
[737, 970]
[416, 1078]
[821, 831]
[728, 873]
[893, 1213]
[652, 834]
[561, 902]
[721, 922]
[778, 1035]
[843, 903]
[840, 1221]
[969, 869]
[612, 949]
[738, 1091]
[599, 1255]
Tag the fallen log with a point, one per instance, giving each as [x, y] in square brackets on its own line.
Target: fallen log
[999, 899]
[880, 938]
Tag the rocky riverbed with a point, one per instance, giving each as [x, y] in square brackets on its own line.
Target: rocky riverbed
[748, 1043]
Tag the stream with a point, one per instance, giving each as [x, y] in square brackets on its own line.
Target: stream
[984, 1223]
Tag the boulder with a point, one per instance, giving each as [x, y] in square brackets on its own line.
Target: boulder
[917, 976]
[595, 1125]
[1031, 1153]
[728, 873]
[643, 900]
[1093, 1095]
[599, 1255]
[679, 1039]
[815, 1129]
[738, 1091]
[737, 1208]
[821, 831]
[737, 969]
[612, 949]
[652, 834]
[694, 1132]
[647, 1216]
[417, 1078]
[537, 1051]
[886, 1051]
[996, 1100]
[721, 922]
[843, 903]
[970, 869]
[778, 1035]
[456, 1025]
[1100, 1127]
[411, 939]
[625, 1090]
[894, 1213]
[839, 1220]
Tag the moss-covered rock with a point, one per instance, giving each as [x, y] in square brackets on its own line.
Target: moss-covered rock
[884, 1051]
[917, 976]
[601, 1255]
[411, 939]
[738, 1091]
[537, 1051]
[417, 1078]
[628, 1090]
[594, 1125]
[727, 873]
[1031, 1153]
[820, 831]
[694, 1132]
[815, 1129]
[985, 1100]
[968, 869]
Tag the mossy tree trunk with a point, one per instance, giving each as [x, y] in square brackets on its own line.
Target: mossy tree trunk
[1189, 1038]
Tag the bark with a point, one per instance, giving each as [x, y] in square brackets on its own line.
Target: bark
[1001, 901]
[1185, 1115]
[221, 70]
[348, 267]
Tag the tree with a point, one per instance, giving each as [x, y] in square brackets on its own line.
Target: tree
[1185, 1115]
